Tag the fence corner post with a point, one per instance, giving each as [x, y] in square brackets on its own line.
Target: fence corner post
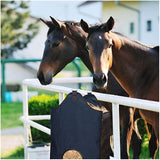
[3, 80]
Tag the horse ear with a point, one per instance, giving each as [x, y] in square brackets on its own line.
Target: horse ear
[109, 24]
[48, 23]
[84, 25]
[57, 23]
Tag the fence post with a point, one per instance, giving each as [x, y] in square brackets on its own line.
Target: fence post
[3, 62]
[3, 80]
[116, 130]
[26, 126]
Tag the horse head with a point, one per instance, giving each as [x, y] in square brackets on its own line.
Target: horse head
[60, 48]
[99, 44]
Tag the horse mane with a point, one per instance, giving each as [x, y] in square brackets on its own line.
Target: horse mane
[139, 44]
[99, 27]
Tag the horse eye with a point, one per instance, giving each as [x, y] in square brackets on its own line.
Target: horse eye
[55, 44]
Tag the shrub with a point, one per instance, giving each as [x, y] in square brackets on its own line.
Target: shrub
[42, 105]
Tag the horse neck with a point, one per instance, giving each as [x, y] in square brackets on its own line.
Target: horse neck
[84, 56]
[132, 63]
[82, 52]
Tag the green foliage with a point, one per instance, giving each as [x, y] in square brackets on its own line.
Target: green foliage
[42, 105]
[142, 128]
[145, 149]
[16, 32]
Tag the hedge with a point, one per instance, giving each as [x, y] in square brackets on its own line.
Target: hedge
[42, 105]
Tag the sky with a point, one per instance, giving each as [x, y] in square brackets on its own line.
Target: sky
[65, 10]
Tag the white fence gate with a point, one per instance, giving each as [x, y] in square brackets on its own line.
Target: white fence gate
[115, 100]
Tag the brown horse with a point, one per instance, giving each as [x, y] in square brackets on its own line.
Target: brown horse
[65, 41]
[134, 65]
[61, 47]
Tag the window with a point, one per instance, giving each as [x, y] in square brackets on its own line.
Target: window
[149, 25]
[131, 27]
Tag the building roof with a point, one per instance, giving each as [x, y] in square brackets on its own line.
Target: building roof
[87, 3]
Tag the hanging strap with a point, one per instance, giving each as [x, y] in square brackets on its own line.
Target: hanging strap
[97, 108]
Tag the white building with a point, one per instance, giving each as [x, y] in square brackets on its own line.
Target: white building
[149, 31]
[138, 20]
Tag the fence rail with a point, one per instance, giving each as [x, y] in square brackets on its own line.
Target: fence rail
[115, 100]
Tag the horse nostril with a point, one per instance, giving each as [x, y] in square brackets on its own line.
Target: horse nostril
[95, 77]
[104, 79]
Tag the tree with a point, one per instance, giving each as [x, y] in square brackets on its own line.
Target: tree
[16, 31]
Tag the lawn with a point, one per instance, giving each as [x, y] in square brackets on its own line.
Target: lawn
[10, 114]
[18, 153]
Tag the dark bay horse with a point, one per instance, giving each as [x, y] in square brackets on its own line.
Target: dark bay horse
[134, 65]
[61, 47]
[65, 41]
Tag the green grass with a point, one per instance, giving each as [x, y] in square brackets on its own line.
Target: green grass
[10, 114]
[18, 153]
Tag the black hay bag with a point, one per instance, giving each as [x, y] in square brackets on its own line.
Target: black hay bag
[76, 126]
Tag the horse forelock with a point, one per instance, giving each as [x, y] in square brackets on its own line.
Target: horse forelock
[95, 28]
[51, 29]
[73, 23]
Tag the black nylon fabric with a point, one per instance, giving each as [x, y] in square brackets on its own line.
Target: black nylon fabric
[76, 126]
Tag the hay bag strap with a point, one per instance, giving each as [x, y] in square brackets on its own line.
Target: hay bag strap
[76, 126]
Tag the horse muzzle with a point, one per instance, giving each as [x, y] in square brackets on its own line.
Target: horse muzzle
[100, 80]
[45, 79]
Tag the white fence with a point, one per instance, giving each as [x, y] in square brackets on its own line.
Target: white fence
[115, 100]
